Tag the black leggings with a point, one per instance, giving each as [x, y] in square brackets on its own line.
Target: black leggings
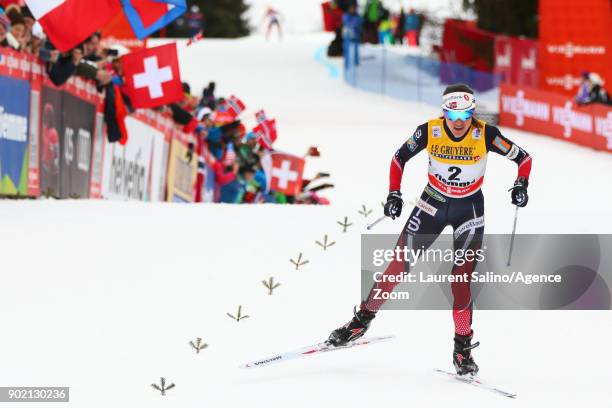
[429, 217]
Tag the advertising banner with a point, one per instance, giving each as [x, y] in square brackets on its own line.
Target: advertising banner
[556, 115]
[136, 171]
[181, 174]
[14, 108]
[97, 159]
[67, 126]
[51, 127]
[34, 129]
[575, 36]
[76, 145]
[516, 60]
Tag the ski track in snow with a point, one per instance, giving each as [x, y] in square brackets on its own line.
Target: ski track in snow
[105, 296]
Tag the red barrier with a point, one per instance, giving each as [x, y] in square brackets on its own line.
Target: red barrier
[464, 43]
[556, 115]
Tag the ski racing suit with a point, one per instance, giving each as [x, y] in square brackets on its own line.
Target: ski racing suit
[452, 197]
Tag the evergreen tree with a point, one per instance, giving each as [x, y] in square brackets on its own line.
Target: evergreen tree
[223, 18]
[518, 17]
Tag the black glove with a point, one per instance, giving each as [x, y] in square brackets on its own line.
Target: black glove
[189, 154]
[519, 192]
[393, 207]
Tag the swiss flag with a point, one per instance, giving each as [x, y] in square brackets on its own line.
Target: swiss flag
[284, 172]
[68, 23]
[266, 133]
[152, 76]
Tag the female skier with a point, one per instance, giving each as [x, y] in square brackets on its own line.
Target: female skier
[457, 144]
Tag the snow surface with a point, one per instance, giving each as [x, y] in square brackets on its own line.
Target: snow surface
[105, 296]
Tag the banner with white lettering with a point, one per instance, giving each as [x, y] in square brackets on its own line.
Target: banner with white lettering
[556, 115]
[14, 107]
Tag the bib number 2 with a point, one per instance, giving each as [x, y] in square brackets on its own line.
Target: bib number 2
[454, 173]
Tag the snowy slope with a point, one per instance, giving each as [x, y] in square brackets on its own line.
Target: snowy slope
[104, 296]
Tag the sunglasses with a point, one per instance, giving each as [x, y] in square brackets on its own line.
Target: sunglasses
[455, 115]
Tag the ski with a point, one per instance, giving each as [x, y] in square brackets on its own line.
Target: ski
[311, 350]
[477, 382]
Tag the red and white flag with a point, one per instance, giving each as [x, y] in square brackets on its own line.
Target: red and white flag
[234, 106]
[229, 110]
[68, 23]
[284, 172]
[261, 116]
[199, 36]
[152, 76]
[266, 133]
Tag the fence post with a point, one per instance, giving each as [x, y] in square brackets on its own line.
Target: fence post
[384, 68]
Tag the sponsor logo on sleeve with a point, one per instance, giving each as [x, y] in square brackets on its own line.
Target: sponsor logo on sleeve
[513, 153]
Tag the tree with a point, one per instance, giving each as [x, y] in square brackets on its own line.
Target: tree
[518, 17]
[223, 18]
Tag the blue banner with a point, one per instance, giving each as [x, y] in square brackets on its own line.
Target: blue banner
[14, 107]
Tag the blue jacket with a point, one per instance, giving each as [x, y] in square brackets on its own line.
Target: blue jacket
[352, 27]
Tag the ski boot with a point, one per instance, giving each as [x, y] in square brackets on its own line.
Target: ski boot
[462, 355]
[353, 329]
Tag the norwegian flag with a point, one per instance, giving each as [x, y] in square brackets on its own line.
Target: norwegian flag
[152, 76]
[284, 172]
[266, 133]
[229, 110]
[234, 106]
[199, 36]
[260, 116]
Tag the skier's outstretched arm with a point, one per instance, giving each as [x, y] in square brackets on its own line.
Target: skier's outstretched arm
[416, 143]
[500, 144]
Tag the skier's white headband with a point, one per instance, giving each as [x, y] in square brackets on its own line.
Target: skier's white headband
[458, 101]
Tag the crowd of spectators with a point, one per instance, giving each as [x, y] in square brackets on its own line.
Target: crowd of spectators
[374, 24]
[235, 153]
[232, 153]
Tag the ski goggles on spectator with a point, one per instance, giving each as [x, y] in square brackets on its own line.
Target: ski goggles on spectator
[456, 115]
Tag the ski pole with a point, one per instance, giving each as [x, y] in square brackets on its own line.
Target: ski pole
[370, 226]
[512, 237]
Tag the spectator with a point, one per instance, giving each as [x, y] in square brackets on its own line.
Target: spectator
[208, 96]
[370, 21]
[5, 26]
[92, 51]
[591, 90]
[16, 34]
[37, 39]
[352, 23]
[384, 27]
[400, 28]
[195, 21]
[412, 28]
